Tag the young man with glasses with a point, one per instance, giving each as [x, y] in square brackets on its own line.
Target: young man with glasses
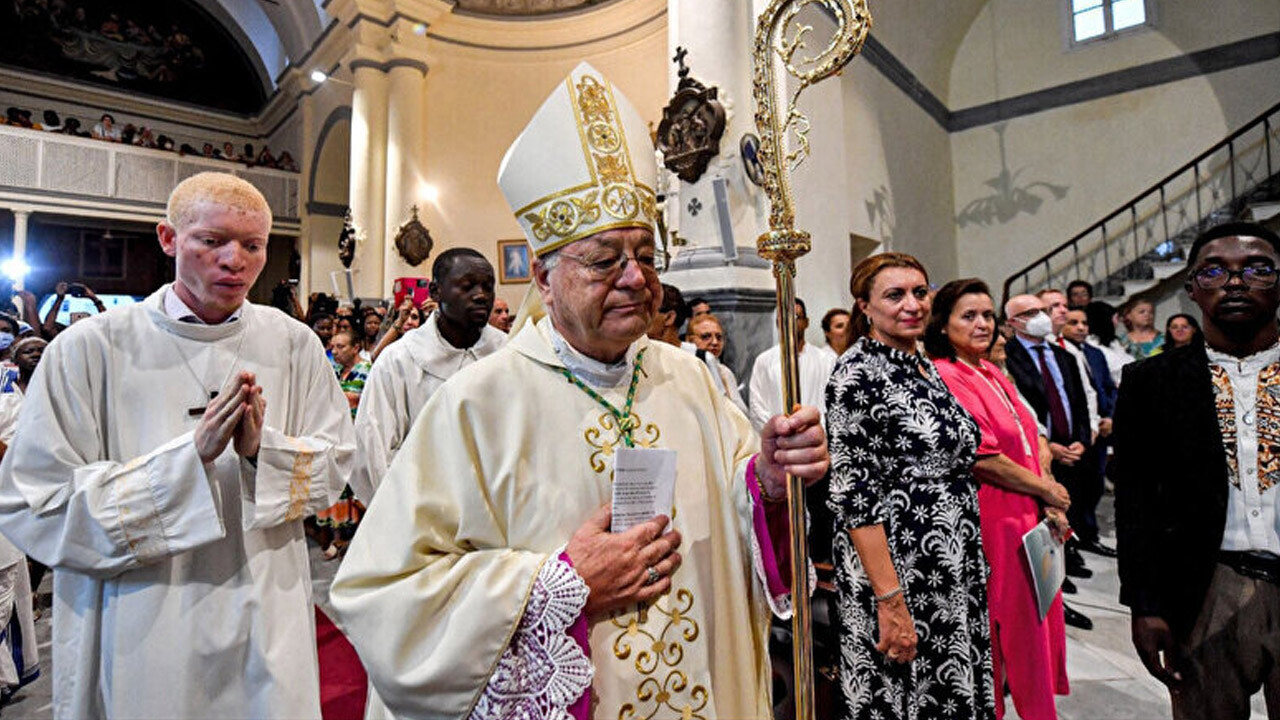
[1197, 502]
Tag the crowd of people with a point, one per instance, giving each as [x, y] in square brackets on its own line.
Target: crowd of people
[106, 129]
[585, 518]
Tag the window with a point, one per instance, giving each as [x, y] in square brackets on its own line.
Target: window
[1098, 19]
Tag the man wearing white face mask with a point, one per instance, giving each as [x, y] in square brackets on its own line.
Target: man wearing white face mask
[8, 370]
[1049, 380]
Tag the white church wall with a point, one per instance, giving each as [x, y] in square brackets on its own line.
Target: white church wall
[1065, 168]
[880, 169]
[1030, 50]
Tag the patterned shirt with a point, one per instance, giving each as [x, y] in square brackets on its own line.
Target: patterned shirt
[1247, 395]
[352, 383]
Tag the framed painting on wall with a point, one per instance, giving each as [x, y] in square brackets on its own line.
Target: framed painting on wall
[513, 262]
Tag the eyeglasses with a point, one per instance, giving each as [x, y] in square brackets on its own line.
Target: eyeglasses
[607, 265]
[708, 336]
[1213, 277]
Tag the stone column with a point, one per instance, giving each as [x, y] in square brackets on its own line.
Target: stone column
[368, 176]
[718, 35]
[388, 59]
[20, 218]
[406, 169]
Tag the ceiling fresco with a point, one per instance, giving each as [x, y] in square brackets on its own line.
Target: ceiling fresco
[171, 49]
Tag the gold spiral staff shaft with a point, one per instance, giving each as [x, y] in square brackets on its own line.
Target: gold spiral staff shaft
[780, 41]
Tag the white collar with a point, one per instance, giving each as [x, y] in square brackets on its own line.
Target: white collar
[1250, 364]
[175, 308]
[588, 369]
[428, 349]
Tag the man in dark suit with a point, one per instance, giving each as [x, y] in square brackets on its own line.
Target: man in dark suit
[1198, 487]
[1048, 378]
[1075, 331]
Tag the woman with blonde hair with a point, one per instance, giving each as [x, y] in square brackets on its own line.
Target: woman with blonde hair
[1141, 339]
[910, 574]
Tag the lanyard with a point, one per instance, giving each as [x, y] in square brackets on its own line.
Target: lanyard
[1008, 404]
[626, 420]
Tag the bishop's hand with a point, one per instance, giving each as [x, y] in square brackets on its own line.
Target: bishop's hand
[623, 568]
[794, 444]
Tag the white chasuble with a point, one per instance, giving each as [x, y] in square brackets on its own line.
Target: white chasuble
[180, 589]
[405, 376]
[508, 460]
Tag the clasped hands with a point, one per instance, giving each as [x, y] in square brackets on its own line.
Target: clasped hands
[234, 416]
[1067, 454]
[635, 566]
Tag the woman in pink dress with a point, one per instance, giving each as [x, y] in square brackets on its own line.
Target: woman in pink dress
[1029, 654]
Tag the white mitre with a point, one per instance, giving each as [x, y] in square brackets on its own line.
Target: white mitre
[583, 164]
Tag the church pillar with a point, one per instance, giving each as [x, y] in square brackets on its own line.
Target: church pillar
[368, 176]
[20, 218]
[388, 138]
[406, 177]
[720, 215]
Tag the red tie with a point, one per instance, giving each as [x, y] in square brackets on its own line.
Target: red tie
[1059, 425]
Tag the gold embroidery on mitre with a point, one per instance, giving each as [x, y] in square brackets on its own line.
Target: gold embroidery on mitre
[572, 214]
[657, 658]
[563, 217]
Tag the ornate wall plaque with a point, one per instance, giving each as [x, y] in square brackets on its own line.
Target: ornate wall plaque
[413, 241]
[692, 123]
[347, 240]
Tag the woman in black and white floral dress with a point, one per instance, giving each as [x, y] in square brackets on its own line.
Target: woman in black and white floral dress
[915, 641]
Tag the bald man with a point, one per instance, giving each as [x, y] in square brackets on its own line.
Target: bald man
[500, 317]
[1049, 379]
[167, 455]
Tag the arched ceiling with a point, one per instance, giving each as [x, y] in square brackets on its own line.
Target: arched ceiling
[273, 32]
[525, 8]
[208, 53]
[925, 35]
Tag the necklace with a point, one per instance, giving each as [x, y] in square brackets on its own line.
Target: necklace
[627, 421]
[198, 411]
[1008, 405]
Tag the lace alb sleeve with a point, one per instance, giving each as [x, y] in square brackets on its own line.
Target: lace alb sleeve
[544, 670]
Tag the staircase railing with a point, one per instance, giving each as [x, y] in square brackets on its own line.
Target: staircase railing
[1152, 223]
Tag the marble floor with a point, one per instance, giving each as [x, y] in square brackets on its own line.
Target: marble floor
[1108, 681]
